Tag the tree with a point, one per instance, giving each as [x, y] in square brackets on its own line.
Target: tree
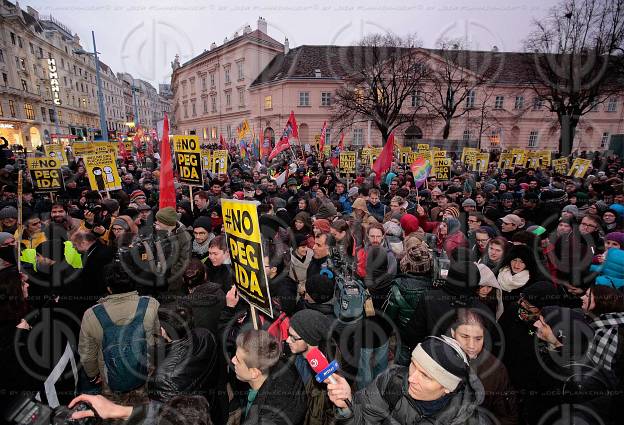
[452, 88]
[386, 71]
[576, 59]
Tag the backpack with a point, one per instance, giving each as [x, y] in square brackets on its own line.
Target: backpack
[350, 296]
[124, 348]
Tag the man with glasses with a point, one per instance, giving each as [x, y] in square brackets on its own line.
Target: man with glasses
[482, 237]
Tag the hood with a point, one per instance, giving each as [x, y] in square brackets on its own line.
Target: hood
[207, 294]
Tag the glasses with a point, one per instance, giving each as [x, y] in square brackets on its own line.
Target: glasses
[591, 226]
[473, 221]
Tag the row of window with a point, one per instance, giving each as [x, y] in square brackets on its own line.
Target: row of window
[213, 103]
[240, 66]
[495, 136]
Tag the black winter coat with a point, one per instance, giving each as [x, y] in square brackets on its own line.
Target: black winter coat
[281, 400]
[207, 302]
[186, 368]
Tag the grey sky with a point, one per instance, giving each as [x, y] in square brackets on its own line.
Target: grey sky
[142, 37]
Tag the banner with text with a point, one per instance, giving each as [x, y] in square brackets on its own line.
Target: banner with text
[45, 174]
[188, 159]
[579, 168]
[242, 226]
[347, 162]
[102, 171]
[219, 161]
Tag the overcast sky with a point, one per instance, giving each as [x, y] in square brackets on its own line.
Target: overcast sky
[142, 37]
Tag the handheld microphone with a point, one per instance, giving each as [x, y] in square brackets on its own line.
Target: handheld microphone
[324, 370]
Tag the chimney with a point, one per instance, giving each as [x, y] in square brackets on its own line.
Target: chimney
[213, 45]
[262, 25]
[286, 46]
[246, 30]
[32, 12]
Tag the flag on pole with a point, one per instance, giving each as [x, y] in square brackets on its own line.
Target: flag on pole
[291, 126]
[122, 150]
[222, 142]
[322, 139]
[383, 163]
[280, 147]
[281, 179]
[167, 189]
[243, 129]
[420, 168]
[243, 149]
[341, 144]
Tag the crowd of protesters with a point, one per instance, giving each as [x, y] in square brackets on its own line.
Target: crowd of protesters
[492, 298]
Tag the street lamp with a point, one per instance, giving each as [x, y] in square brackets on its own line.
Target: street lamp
[103, 126]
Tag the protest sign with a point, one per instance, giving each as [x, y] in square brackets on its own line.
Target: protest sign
[347, 162]
[404, 155]
[579, 167]
[505, 162]
[438, 154]
[80, 149]
[546, 155]
[481, 162]
[242, 226]
[560, 166]
[519, 157]
[205, 157]
[442, 168]
[45, 174]
[188, 159]
[56, 152]
[102, 171]
[468, 155]
[534, 160]
[422, 147]
[219, 161]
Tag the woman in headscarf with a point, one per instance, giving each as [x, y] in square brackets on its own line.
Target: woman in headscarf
[517, 271]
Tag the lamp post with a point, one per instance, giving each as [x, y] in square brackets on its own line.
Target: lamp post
[103, 126]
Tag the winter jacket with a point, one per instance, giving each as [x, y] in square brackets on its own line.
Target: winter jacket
[207, 302]
[386, 400]
[220, 274]
[121, 308]
[281, 400]
[378, 211]
[299, 267]
[500, 398]
[405, 293]
[612, 270]
[186, 366]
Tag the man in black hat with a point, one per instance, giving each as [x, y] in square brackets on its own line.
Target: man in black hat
[202, 235]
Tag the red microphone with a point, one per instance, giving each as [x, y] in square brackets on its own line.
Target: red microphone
[323, 369]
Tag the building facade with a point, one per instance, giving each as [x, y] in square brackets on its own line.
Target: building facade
[211, 99]
[48, 89]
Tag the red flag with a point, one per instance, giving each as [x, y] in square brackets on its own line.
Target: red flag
[341, 144]
[383, 163]
[122, 150]
[293, 125]
[167, 190]
[222, 142]
[322, 139]
[280, 147]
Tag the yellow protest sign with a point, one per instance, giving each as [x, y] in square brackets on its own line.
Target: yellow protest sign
[519, 157]
[365, 155]
[423, 147]
[481, 162]
[505, 162]
[241, 223]
[404, 155]
[374, 154]
[347, 162]
[45, 174]
[102, 171]
[579, 168]
[56, 152]
[560, 166]
[442, 168]
[80, 149]
[327, 151]
[534, 160]
[468, 154]
[104, 147]
[188, 159]
[219, 161]
[205, 156]
[438, 154]
[545, 155]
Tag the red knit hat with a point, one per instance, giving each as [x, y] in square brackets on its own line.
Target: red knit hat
[409, 223]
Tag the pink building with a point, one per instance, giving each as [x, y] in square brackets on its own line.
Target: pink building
[254, 77]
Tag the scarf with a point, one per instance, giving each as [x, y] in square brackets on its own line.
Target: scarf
[509, 281]
[603, 347]
[201, 249]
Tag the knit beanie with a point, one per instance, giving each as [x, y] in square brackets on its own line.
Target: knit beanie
[409, 223]
[443, 360]
[136, 194]
[121, 223]
[167, 216]
[616, 237]
[327, 210]
[4, 236]
[453, 211]
[312, 326]
[572, 209]
[203, 222]
[323, 225]
[393, 229]
[8, 212]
